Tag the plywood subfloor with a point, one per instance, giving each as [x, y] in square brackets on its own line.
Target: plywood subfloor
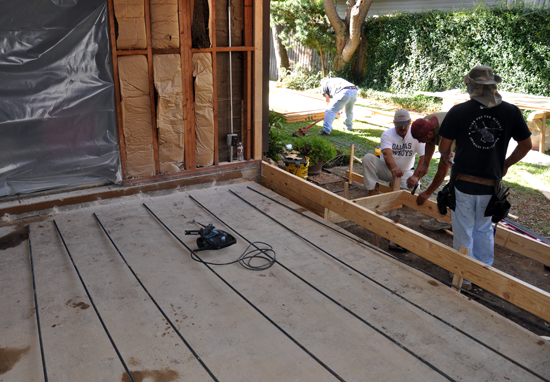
[369, 334]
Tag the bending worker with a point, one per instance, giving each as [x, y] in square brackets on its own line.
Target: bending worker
[397, 158]
[338, 93]
[482, 128]
[426, 130]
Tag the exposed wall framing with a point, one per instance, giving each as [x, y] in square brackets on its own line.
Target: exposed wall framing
[518, 292]
[192, 105]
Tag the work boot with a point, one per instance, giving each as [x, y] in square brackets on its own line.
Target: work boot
[434, 225]
[323, 132]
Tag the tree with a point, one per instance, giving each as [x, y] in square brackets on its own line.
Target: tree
[348, 42]
[306, 23]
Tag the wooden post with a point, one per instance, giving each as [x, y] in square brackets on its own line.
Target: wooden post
[457, 280]
[542, 142]
[350, 177]
[396, 184]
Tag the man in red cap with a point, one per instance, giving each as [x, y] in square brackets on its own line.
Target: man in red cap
[426, 130]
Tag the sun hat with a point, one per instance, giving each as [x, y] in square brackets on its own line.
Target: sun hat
[401, 118]
[423, 126]
[482, 75]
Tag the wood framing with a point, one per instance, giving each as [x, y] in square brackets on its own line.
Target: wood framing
[514, 290]
[504, 237]
[251, 72]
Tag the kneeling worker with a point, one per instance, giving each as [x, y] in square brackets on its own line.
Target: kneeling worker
[398, 155]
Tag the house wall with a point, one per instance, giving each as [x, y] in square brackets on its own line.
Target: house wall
[384, 7]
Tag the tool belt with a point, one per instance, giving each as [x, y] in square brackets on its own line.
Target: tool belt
[498, 206]
[351, 87]
[475, 179]
[447, 197]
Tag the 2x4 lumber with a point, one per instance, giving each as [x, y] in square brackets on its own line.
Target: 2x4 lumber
[258, 78]
[457, 279]
[212, 11]
[151, 86]
[516, 291]
[359, 179]
[187, 78]
[122, 144]
[350, 179]
[378, 203]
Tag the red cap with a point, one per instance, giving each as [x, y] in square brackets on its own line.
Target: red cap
[423, 126]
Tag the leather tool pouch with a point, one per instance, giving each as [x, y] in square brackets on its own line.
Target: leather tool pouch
[446, 197]
[498, 206]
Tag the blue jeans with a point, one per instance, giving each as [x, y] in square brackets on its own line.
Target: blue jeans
[471, 229]
[345, 97]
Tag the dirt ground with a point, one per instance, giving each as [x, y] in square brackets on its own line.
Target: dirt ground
[506, 260]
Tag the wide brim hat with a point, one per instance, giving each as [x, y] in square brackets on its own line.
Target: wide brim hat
[482, 75]
[423, 126]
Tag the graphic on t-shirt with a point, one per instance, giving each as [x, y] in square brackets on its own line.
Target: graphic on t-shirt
[402, 150]
[484, 132]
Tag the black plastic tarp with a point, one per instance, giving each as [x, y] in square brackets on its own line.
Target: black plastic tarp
[57, 112]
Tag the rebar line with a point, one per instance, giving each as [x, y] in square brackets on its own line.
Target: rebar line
[246, 300]
[487, 346]
[337, 303]
[157, 305]
[36, 308]
[444, 282]
[93, 304]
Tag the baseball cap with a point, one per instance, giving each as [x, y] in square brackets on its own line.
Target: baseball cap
[401, 118]
[423, 126]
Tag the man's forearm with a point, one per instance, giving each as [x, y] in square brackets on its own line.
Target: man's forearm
[439, 177]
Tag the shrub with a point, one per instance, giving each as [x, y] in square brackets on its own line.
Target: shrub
[316, 148]
[276, 144]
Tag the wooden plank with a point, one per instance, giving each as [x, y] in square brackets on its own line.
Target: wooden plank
[214, 78]
[429, 207]
[350, 178]
[121, 143]
[491, 279]
[359, 179]
[457, 279]
[248, 115]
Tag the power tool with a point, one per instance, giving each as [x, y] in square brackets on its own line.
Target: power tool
[211, 237]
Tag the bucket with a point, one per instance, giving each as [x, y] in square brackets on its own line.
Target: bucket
[296, 163]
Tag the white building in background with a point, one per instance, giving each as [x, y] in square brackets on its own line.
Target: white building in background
[384, 7]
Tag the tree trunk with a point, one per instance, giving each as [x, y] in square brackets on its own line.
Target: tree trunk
[322, 60]
[346, 45]
[359, 61]
[283, 64]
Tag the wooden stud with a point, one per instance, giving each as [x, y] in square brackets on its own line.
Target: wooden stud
[457, 279]
[350, 176]
[258, 80]
[214, 50]
[396, 184]
[116, 80]
[514, 290]
[187, 78]
[151, 86]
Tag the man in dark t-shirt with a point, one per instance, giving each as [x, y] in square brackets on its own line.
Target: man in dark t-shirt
[482, 128]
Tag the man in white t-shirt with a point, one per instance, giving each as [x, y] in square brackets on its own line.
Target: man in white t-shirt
[398, 155]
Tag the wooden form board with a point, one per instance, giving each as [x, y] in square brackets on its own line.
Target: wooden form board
[518, 292]
[251, 85]
[503, 237]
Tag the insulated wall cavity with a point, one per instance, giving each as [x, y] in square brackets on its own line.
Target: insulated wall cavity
[204, 108]
[130, 17]
[167, 77]
[164, 24]
[136, 115]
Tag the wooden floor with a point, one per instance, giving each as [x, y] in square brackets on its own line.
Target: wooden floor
[309, 317]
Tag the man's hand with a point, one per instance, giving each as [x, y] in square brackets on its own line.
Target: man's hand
[423, 197]
[396, 172]
[412, 180]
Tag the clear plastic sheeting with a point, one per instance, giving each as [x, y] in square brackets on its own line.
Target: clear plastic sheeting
[57, 112]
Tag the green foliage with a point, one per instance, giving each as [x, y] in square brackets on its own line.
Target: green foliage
[305, 21]
[432, 51]
[276, 135]
[301, 79]
[316, 148]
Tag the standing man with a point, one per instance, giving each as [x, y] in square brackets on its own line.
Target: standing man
[482, 128]
[343, 94]
[397, 159]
